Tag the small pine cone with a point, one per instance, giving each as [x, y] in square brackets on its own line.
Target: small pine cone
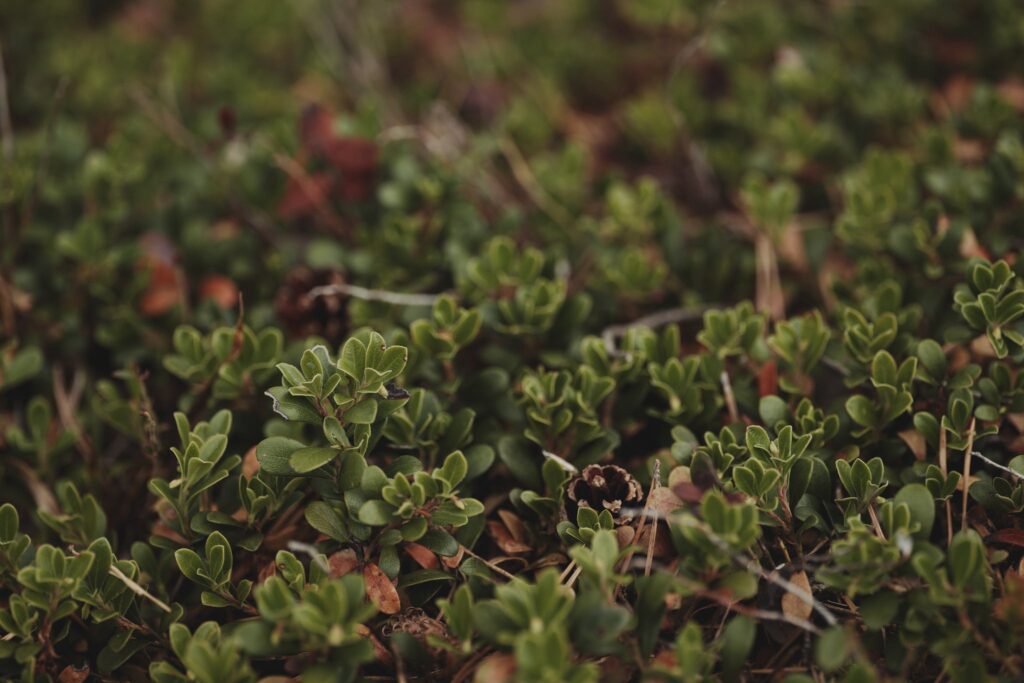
[305, 316]
[603, 487]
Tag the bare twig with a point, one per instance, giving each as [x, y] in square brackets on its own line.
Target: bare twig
[874, 521]
[769, 296]
[561, 462]
[490, 564]
[296, 172]
[67, 409]
[945, 472]
[967, 472]
[41, 493]
[6, 127]
[643, 516]
[752, 566]
[524, 176]
[7, 308]
[311, 550]
[730, 397]
[137, 589]
[993, 463]
[396, 298]
[654, 320]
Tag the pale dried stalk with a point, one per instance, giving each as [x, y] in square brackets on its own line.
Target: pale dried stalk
[366, 294]
[653, 321]
[967, 472]
[137, 589]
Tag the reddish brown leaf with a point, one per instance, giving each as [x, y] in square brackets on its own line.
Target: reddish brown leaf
[352, 156]
[514, 525]
[250, 464]
[793, 606]
[1012, 91]
[504, 539]
[497, 668]
[342, 562]
[71, 674]
[455, 560]
[1008, 536]
[219, 289]
[316, 128]
[422, 555]
[266, 571]
[768, 379]
[301, 198]
[915, 442]
[380, 590]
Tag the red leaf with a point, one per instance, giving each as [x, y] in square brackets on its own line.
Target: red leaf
[1008, 536]
[342, 562]
[301, 198]
[380, 590]
[316, 128]
[768, 379]
[423, 556]
[221, 290]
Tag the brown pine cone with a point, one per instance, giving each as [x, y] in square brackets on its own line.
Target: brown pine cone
[603, 487]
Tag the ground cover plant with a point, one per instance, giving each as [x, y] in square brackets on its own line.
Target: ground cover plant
[615, 340]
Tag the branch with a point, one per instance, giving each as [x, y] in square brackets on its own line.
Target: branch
[993, 463]
[396, 298]
[967, 472]
[6, 127]
[136, 588]
[654, 320]
[750, 565]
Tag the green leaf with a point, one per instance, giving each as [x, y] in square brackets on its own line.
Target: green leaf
[880, 609]
[454, 469]
[441, 542]
[922, 507]
[861, 410]
[376, 513]
[327, 521]
[311, 458]
[190, 564]
[832, 648]
[353, 359]
[737, 641]
[364, 412]
[8, 522]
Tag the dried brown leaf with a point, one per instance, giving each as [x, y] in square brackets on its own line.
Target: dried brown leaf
[380, 590]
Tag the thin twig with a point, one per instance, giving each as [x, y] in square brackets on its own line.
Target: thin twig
[654, 320]
[993, 463]
[525, 177]
[967, 473]
[739, 608]
[311, 550]
[730, 397]
[943, 455]
[396, 298]
[137, 589]
[67, 408]
[296, 172]
[561, 462]
[874, 521]
[752, 566]
[488, 563]
[575, 575]
[6, 127]
[643, 515]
